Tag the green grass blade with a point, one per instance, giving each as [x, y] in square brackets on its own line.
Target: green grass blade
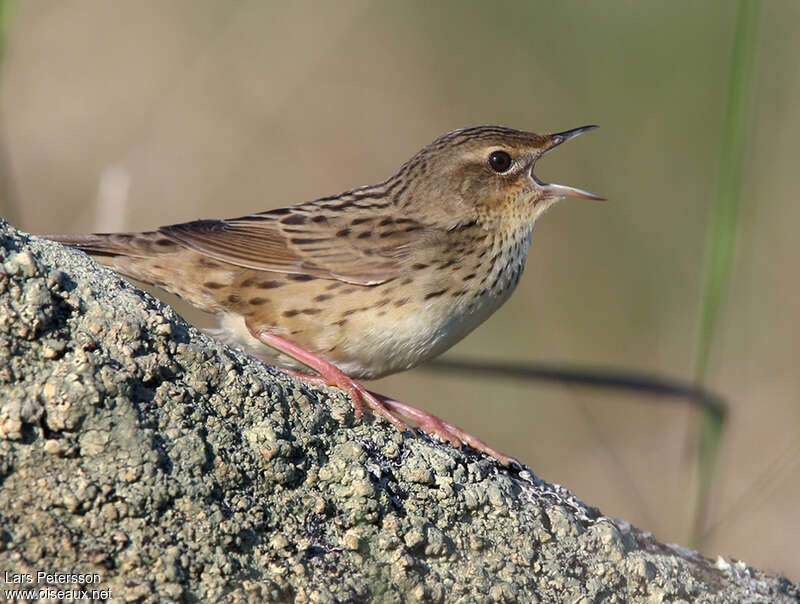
[722, 239]
[726, 208]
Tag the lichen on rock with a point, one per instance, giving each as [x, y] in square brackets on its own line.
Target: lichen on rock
[175, 468]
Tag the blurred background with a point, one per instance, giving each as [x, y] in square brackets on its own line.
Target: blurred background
[128, 115]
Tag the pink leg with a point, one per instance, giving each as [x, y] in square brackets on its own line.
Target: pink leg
[430, 424]
[330, 375]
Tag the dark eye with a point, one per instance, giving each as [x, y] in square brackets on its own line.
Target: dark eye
[499, 161]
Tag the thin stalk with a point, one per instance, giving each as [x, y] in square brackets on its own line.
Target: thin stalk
[722, 238]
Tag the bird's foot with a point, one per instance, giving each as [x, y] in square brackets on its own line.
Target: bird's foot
[330, 375]
[431, 424]
[358, 394]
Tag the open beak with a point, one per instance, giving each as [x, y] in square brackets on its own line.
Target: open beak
[555, 190]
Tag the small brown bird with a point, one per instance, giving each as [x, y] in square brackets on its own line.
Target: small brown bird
[369, 282]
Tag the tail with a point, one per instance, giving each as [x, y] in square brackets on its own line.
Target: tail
[109, 245]
[151, 258]
[135, 255]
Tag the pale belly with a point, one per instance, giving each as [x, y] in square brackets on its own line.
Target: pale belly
[375, 343]
[371, 347]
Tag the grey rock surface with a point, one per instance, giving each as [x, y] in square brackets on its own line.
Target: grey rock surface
[172, 468]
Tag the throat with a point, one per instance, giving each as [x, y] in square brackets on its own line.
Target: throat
[508, 263]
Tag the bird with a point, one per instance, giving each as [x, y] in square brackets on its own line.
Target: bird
[369, 282]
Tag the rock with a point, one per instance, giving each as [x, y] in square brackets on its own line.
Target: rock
[165, 466]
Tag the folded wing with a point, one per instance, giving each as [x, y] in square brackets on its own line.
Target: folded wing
[364, 249]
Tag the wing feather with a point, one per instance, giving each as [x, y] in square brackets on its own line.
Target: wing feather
[356, 247]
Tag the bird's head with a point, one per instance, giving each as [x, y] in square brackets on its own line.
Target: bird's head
[486, 173]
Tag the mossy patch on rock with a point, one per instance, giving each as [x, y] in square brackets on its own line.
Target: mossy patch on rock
[176, 468]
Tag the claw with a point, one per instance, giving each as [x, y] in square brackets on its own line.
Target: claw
[330, 375]
[431, 424]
